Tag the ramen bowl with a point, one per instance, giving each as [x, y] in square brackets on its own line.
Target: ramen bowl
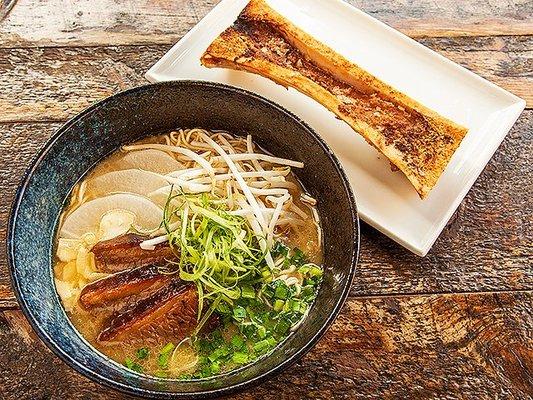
[148, 110]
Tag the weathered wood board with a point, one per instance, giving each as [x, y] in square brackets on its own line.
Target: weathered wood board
[54, 84]
[108, 22]
[472, 346]
[455, 324]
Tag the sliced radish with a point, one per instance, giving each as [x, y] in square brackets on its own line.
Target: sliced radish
[128, 180]
[88, 216]
[149, 160]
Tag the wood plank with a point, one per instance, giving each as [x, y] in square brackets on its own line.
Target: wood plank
[493, 224]
[108, 22]
[440, 346]
[54, 84]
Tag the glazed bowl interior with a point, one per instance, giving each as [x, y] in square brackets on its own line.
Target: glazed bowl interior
[153, 109]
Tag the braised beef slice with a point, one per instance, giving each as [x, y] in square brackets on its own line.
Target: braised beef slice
[123, 284]
[123, 252]
[175, 304]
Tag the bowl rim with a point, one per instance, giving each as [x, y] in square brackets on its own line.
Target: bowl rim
[135, 390]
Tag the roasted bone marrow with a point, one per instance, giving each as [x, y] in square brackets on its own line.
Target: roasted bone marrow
[415, 139]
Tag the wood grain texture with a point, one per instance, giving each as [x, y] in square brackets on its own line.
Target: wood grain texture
[442, 346]
[57, 83]
[487, 245]
[109, 22]
[405, 331]
[54, 84]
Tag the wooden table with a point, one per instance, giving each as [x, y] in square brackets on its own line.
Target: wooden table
[455, 324]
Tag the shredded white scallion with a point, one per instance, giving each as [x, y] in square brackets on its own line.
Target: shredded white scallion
[151, 243]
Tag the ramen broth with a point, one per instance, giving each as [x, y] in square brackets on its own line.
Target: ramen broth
[161, 347]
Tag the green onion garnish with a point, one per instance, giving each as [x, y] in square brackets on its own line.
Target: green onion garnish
[164, 355]
[142, 353]
[239, 358]
[130, 364]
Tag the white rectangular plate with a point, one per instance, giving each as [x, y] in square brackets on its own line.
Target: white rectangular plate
[385, 199]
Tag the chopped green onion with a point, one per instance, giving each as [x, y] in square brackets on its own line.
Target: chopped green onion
[269, 291]
[309, 281]
[261, 346]
[266, 273]
[142, 353]
[297, 258]
[215, 367]
[279, 249]
[315, 271]
[247, 292]
[282, 327]
[307, 291]
[248, 330]
[168, 348]
[278, 305]
[239, 358]
[282, 291]
[130, 364]
[261, 331]
[164, 356]
[237, 342]
[219, 353]
[239, 313]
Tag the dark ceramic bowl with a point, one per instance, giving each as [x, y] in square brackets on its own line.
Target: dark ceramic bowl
[148, 110]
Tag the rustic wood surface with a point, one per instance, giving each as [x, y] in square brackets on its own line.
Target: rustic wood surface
[431, 346]
[455, 324]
